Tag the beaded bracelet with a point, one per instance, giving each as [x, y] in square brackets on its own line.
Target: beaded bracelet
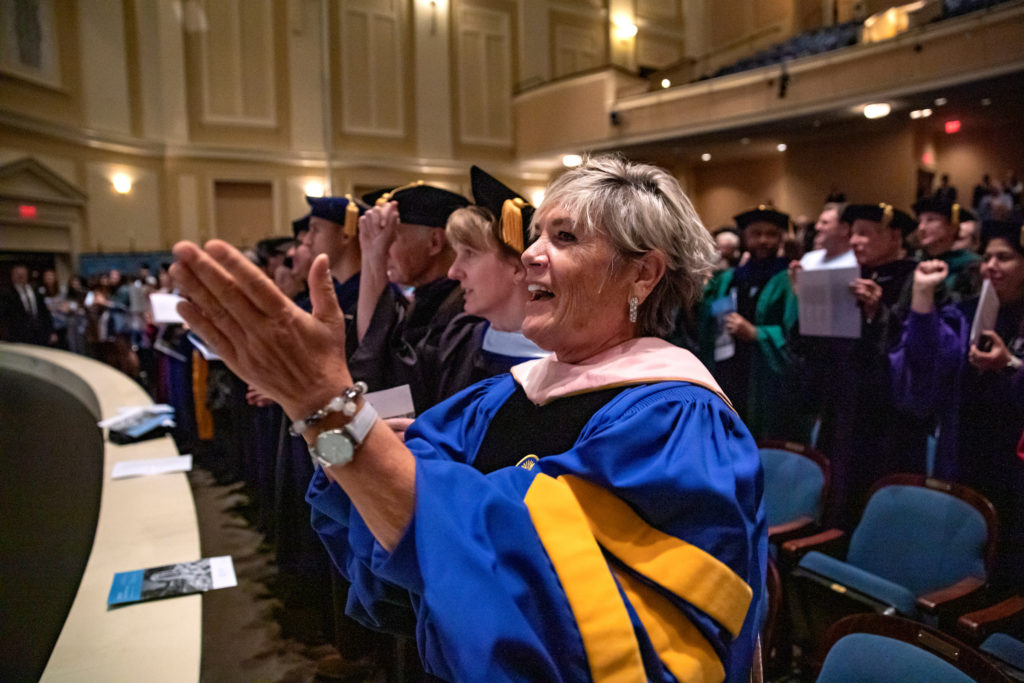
[343, 403]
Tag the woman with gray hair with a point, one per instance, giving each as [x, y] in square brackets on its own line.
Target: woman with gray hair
[594, 514]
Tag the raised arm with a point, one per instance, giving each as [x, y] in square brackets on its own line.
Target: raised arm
[297, 359]
[376, 233]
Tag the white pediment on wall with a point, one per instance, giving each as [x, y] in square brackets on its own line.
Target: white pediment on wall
[28, 180]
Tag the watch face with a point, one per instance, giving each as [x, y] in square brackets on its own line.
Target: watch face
[335, 447]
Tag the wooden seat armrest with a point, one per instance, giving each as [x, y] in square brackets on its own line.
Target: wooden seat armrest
[947, 598]
[830, 542]
[1002, 616]
[789, 527]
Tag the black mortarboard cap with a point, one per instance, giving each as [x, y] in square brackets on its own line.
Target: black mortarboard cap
[344, 211]
[513, 212]
[885, 214]
[370, 198]
[300, 226]
[763, 212]
[954, 213]
[267, 248]
[1011, 231]
[422, 204]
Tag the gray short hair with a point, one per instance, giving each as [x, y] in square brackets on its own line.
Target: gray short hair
[640, 208]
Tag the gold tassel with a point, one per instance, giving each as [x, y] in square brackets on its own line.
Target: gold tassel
[886, 215]
[386, 197]
[512, 223]
[204, 418]
[955, 216]
[351, 217]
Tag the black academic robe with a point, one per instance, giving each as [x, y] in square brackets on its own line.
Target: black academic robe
[990, 424]
[386, 353]
[347, 293]
[453, 359]
[847, 383]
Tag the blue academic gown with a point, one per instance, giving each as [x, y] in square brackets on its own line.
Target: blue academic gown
[484, 561]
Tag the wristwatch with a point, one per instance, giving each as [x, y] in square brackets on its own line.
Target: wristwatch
[338, 446]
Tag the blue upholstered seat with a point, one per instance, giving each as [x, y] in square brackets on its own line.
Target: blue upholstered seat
[1005, 648]
[793, 486]
[911, 540]
[861, 581]
[870, 658]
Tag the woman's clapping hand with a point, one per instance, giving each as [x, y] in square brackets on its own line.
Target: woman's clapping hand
[296, 358]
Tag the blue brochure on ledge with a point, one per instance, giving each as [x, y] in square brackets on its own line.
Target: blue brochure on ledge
[170, 580]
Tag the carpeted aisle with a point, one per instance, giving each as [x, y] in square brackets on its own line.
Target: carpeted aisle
[242, 634]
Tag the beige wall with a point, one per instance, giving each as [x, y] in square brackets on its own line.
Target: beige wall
[142, 91]
[724, 190]
[978, 149]
[881, 166]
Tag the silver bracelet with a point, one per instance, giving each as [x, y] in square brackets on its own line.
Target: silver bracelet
[343, 403]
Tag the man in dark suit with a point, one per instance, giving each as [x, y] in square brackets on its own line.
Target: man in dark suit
[24, 316]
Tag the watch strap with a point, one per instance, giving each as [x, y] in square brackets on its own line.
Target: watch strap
[356, 431]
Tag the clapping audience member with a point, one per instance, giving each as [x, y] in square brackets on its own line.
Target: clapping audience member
[614, 440]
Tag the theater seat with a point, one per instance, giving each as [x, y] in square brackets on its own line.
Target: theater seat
[868, 648]
[922, 549]
[796, 479]
[999, 632]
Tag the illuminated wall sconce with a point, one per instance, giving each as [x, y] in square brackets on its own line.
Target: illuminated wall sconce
[572, 160]
[877, 110]
[313, 188]
[122, 183]
[624, 29]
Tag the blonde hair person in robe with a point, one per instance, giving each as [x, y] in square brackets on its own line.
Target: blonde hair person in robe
[600, 508]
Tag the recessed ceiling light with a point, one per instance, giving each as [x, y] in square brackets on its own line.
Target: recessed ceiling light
[781, 147]
[876, 110]
[925, 113]
[744, 141]
[665, 83]
[572, 160]
[940, 101]
[916, 114]
[705, 157]
[985, 101]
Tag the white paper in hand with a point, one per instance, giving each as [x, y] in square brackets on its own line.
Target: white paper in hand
[988, 311]
[826, 307]
[394, 402]
[165, 307]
